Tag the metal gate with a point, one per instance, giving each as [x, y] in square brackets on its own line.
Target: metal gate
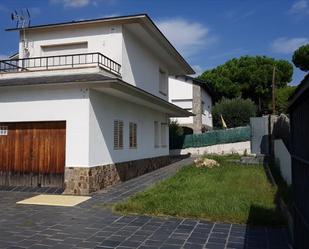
[259, 135]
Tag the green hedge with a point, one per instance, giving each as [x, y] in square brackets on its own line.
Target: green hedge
[234, 135]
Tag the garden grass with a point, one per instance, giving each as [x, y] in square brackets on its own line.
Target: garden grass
[231, 192]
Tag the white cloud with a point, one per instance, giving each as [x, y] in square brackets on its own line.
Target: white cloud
[285, 45]
[300, 7]
[188, 37]
[71, 3]
[228, 54]
[80, 3]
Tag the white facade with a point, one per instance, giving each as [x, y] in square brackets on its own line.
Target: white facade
[90, 108]
[140, 66]
[49, 103]
[104, 109]
[89, 116]
[58, 41]
[181, 93]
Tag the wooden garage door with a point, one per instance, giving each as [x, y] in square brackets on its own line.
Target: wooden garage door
[32, 154]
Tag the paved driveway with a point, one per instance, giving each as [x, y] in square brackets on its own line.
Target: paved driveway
[92, 224]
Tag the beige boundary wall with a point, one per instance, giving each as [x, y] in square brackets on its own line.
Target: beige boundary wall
[283, 160]
[230, 148]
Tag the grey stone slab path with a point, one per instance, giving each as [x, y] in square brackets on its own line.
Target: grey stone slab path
[93, 225]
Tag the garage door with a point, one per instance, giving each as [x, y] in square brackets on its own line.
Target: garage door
[32, 154]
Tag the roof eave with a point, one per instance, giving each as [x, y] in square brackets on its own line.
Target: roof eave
[88, 21]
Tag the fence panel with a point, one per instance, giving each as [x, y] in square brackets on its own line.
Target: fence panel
[234, 135]
[300, 170]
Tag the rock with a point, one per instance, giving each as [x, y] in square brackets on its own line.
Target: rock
[205, 163]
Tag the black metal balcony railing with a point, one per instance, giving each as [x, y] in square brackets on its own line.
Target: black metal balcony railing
[59, 62]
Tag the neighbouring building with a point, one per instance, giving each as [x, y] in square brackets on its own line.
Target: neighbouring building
[195, 96]
[84, 104]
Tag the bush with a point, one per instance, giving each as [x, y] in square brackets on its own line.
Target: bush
[175, 129]
[301, 58]
[235, 112]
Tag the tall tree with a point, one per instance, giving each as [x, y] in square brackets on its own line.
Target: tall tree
[235, 112]
[282, 98]
[301, 58]
[248, 77]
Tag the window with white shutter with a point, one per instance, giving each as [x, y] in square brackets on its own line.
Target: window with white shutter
[163, 134]
[133, 135]
[156, 134]
[118, 134]
[163, 82]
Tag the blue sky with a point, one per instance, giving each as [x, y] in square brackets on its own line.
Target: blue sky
[206, 32]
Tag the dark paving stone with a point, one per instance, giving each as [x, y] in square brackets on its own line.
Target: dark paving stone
[156, 243]
[167, 246]
[129, 243]
[217, 240]
[39, 246]
[192, 246]
[197, 240]
[215, 246]
[148, 247]
[111, 243]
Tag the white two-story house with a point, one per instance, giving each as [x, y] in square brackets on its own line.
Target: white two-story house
[85, 104]
[195, 96]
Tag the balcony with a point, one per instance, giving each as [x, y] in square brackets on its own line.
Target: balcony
[71, 61]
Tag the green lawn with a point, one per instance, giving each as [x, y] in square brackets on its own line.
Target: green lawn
[229, 193]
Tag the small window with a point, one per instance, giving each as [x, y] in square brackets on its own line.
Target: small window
[163, 82]
[118, 135]
[3, 130]
[156, 134]
[163, 135]
[133, 135]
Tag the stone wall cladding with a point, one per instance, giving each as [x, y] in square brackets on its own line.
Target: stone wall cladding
[84, 181]
[197, 109]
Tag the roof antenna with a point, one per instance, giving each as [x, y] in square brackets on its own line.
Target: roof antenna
[22, 18]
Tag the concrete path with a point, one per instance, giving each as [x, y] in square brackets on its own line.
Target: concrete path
[92, 224]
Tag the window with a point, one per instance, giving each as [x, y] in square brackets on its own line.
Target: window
[156, 134]
[65, 48]
[163, 135]
[118, 135]
[163, 82]
[3, 130]
[133, 135]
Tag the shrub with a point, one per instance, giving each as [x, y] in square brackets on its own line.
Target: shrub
[175, 129]
[235, 112]
[301, 58]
